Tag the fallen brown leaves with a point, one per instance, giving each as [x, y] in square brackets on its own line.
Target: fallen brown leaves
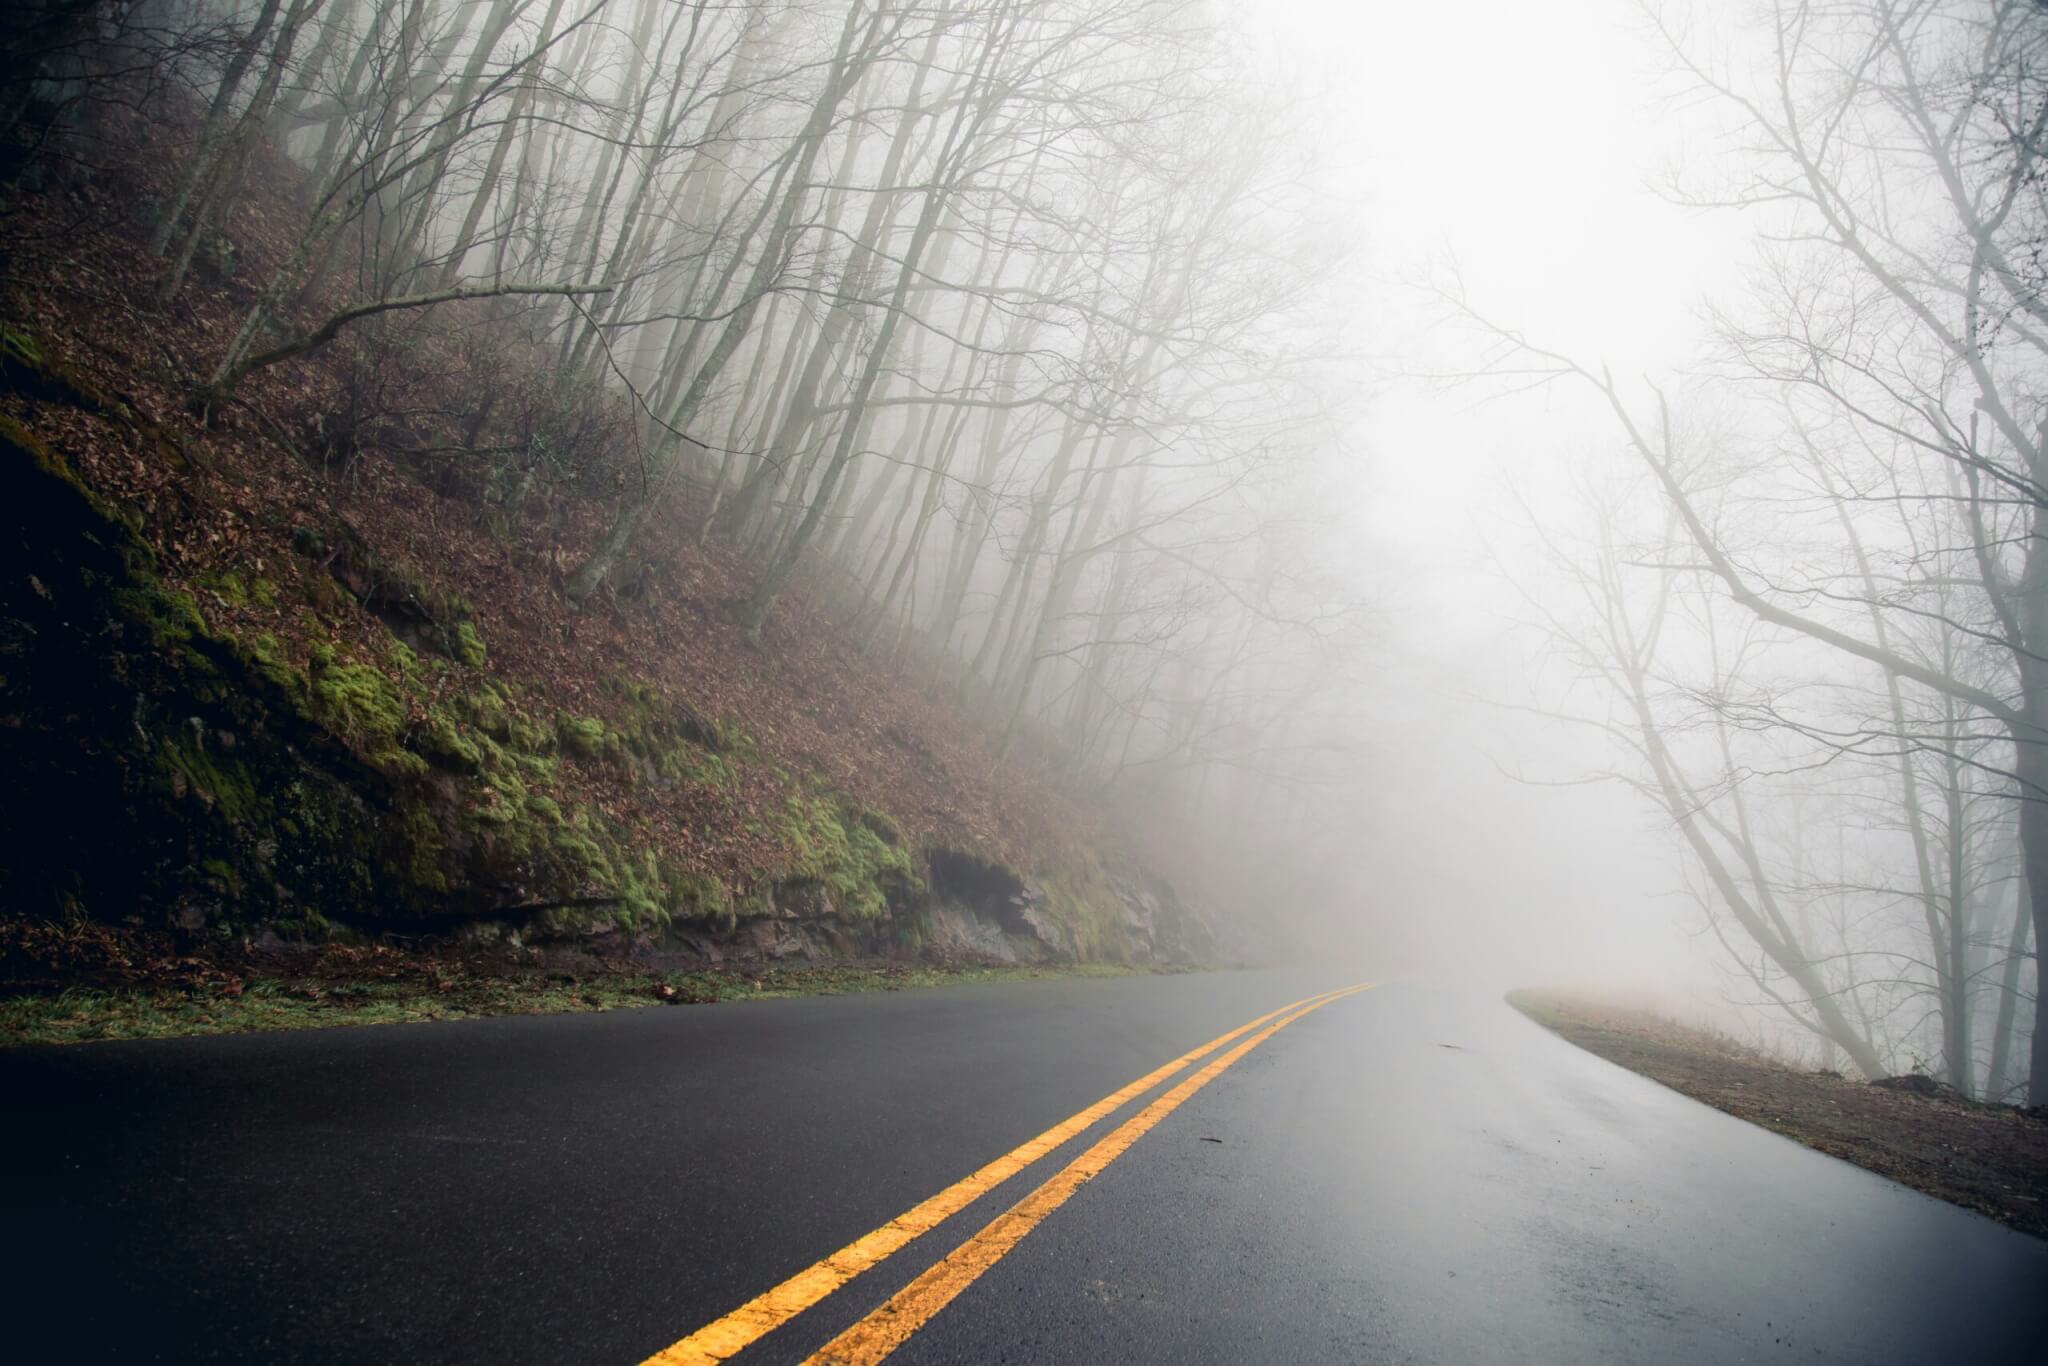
[225, 497]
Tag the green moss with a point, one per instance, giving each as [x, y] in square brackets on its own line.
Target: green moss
[643, 891]
[324, 597]
[421, 846]
[531, 738]
[539, 768]
[442, 742]
[400, 581]
[227, 587]
[490, 709]
[700, 896]
[362, 705]
[730, 739]
[509, 833]
[486, 709]
[265, 654]
[358, 701]
[169, 616]
[712, 770]
[192, 767]
[20, 348]
[469, 646]
[224, 875]
[576, 844]
[584, 737]
[833, 843]
[651, 733]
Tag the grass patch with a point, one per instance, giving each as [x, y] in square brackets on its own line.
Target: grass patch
[257, 1004]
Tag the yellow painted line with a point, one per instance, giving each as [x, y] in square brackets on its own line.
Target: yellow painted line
[910, 1308]
[766, 1312]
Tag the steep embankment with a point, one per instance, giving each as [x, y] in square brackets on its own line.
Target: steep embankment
[276, 671]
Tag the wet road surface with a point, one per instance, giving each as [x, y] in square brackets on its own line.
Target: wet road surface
[1413, 1173]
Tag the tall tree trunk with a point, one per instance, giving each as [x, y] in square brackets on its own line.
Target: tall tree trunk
[340, 22]
[2030, 761]
[752, 510]
[611, 158]
[207, 150]
[768, 265]
[349, 98]
[1077, 546]
[222, 181]
[515, 120]
[934, 206]
[416, 202]
[2006, 1025]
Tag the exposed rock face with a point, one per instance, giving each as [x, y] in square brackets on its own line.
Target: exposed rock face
[1162, 926]
[985, 903]
[810, 924]
[956, 932]
[780, 941]
[1023, 913]
[979, 909]
[803, 899]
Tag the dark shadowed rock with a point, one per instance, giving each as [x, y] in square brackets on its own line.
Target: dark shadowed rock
[804, 899]
[1013, 906]
[779, 941]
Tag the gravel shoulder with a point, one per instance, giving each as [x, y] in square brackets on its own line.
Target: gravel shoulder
[1988, 1158]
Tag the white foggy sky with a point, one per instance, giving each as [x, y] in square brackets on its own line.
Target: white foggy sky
[1524, 143]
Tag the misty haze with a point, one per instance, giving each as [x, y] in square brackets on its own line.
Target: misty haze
[1024, 680]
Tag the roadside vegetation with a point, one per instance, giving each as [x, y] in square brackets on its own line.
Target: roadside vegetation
[171, 995]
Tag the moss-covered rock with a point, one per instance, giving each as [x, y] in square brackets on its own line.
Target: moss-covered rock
[584, 737]
[836, 845]
[468, 646]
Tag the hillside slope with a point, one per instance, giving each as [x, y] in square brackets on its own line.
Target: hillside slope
[269, 673]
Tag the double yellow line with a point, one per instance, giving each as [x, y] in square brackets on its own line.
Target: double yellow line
[884, 1330]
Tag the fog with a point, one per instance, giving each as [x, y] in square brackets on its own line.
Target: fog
[1569, 176]
[1522, 165]
[1546, 494]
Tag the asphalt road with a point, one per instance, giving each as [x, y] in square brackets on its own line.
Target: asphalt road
[1412, 1174]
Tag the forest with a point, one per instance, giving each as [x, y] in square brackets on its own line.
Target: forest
[711, 463]
[853, 477]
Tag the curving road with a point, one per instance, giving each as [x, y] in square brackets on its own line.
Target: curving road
[1408, 1174]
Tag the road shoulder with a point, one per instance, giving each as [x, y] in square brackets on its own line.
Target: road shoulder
[1989, 1158]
